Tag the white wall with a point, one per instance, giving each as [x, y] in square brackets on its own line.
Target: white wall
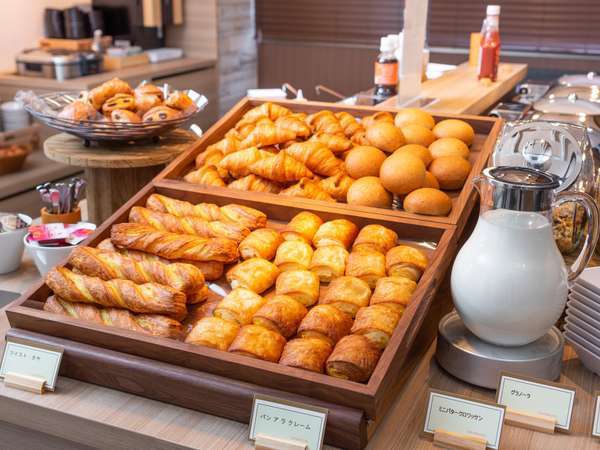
[22, 24]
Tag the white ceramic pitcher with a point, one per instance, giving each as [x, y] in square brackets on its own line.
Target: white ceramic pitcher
[509, 281]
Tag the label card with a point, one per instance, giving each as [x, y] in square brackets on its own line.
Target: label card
[461, 415]
[280, 418]
[596, 423]
[535, 396]
[32, 359]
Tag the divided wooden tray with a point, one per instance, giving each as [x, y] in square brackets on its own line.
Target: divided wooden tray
[223, 384]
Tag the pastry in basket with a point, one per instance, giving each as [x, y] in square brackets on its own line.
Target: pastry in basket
[239, 306]
[102, 93]
[151, 298]
[238, 163]
[244, 215]
[258, 342]
[173, 246]
[267, 134]
[188, 224]
[213, 332]
[317, 157]
[261, 243]
[255, 183]
[154, 324]
[376, 323]
[293, 255]
[336, 232]
[348, 294]
[212, 156]
[268, 109]
[301, 285]
[280, 313]
[307, 188]
[302, 227]
[78, 111]
[337, 185]
[147, 96]
[325, 122]
[306, 353]
[256, 274]
[124, 116]
[119, 101]
[108, 265]
[241, 130]
[353, 358]
[325, 322]
[382, 116]
[368, 265]
[207, 175]
[294, 124]
[281, 168]
[160, 113]
[228, 144]
[180, 100]
[375, 237]
[199, 311]
[334, 142]
[349, 124]
[393, 292]
[329, 262]
[406, 261]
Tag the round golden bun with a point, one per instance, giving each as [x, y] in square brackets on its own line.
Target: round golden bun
[449, 146]
[368, 191]
[402, 172]
[417, 150]
[431, 202]
[454, 128]
[450, 171]
[408, 116]
[431, 181]
[415, 133]
[364, 161]
[385, 136]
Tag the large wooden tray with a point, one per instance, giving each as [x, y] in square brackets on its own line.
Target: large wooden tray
[486, 129]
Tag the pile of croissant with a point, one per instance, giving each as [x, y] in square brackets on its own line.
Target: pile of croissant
[116, 101]
[321, 296]
[322, 155]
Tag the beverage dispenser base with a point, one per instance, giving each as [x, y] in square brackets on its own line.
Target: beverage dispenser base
[477, 362]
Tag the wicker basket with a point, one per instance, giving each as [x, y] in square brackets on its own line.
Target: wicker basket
[12, 159]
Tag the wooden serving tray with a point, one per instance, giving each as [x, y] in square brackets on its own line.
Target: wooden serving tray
[486, 129]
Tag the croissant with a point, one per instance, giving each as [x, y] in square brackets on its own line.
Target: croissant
[268, 109]
[237, 163]
[173, 246]
[334, 142]
[306, 188]
[255, 183]
[207, 175]
[326, 122]
[281, 168]
[141, 298]
[293, 124]
[108, 265]
[211, 158]
[227, 145]
[153, 324]
[337, 185]
[317, 157]
[382, 116]
[349, 124]
[267, 134]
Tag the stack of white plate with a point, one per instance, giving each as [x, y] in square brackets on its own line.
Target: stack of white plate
[582, 329]
[14, 116]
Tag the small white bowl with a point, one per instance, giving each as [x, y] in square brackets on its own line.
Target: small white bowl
[11, 249]
[46, 258]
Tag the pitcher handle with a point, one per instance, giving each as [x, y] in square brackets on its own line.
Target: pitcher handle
[591, 211]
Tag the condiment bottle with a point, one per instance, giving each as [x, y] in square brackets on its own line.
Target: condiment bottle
[386, 69]
[489, 52]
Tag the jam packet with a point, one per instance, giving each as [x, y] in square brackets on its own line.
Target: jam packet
[60, 234]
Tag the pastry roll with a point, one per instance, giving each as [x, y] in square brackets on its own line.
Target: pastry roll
[255, 184]
[239, 306]
[325, 322]
[281, 168]
[237, 163]
[337, 185]
[307, 353]
[376, 238]
[256, 274]
[348, 294]
[316, 156]
[207, 175]
[265, 134]
[336, 232]
[282, 314]
[199, 311]
[334, 142]
[301, 285]
[261, 243]
[329, 262]
[354, 358]
[325, 121]
[307, 188]
[227, 145]
[209, 157]
[213, 332]
[270, 110]
[293, 255]
[393, 292]
[405, 261]
[258, 342]
[303, 226]
[295, 124]
[244, 215]
[376, 323]
[368, 265]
